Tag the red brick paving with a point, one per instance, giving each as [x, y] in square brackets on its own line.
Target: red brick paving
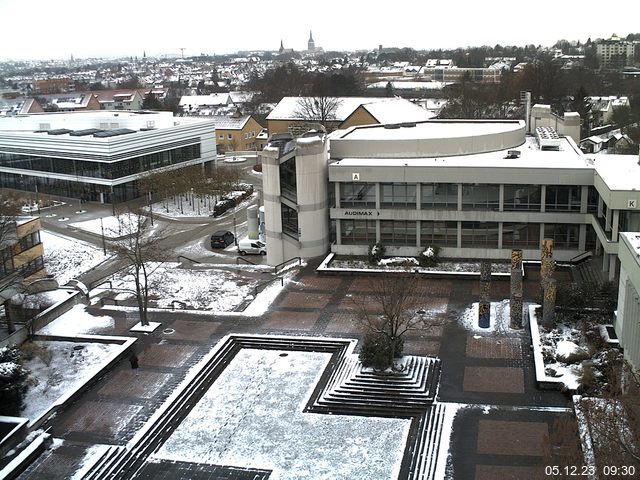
[144, 385]
[102, 418]
[508, 472]
[291, 320]
[493, 347]
[355, 303]
[497, 437]
[493, 379]
[317, 283]
[429, 331]
[166, 355]
[421, 347]
[343, 323]
[191, 330]
[304, 300]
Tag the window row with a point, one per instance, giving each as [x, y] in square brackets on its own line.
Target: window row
[444, 196]
[445, 234]
[117, 169]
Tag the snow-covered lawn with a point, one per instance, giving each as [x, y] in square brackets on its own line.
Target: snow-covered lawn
[67, 258]
[68, 367]
[113, 226]
[203, 288]
[76, 321]
[252, 417]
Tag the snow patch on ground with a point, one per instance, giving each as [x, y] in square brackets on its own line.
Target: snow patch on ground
[68, 367]
[499, 322]
[114, 226]
[203, 288]
[76, 321]
[252, 417]
[67, 258]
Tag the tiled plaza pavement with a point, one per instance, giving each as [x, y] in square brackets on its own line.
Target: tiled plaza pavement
[489, 374]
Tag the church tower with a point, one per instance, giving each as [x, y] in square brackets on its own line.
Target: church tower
[311, 45]
[281, 47]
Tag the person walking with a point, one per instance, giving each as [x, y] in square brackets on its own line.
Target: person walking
[133, 359]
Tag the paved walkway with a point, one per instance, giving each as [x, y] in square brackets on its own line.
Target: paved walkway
[498, 433]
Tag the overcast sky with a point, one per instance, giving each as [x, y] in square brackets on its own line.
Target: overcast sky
[46, 29]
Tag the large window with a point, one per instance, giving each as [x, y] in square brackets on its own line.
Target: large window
[441, 234]
[290, 221]
[477, 196]
[398, 195]
[521, 235]
[522, 197]
[439, 196]
[358, 232]
[358, 195]
[562, 198]
[592, 199]
[564, 236]
[114, 169]
[480, 234]
[398, 232]
[288, 183]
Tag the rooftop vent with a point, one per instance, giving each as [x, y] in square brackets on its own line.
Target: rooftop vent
[84, 133]
[408, 124]
[392, 126]
[547, 138]
[59, 131]
[513, 154]
[113, 133]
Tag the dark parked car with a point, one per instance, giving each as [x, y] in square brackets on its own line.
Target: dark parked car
[221, 239]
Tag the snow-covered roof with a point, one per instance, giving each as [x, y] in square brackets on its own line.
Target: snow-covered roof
[531, 157]
[226, 122]
[287, 108]
[215, 99]
[396, 110]
[619, 172]
[402, 85]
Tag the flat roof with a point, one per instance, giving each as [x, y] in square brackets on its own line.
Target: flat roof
[619, 172]
[530, 157]
[431, 129]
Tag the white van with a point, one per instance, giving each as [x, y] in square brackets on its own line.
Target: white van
[256, 247]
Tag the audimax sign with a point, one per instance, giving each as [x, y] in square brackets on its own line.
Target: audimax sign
[361, 213]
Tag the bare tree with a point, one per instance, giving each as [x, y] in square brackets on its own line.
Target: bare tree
[394, 305]
[11, 279]
[609, 424]
[138, 247]
[319, 109]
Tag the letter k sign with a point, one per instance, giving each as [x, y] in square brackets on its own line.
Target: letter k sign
[632, 204]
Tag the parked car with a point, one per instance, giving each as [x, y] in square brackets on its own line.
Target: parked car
[221, 239]
[255, 247]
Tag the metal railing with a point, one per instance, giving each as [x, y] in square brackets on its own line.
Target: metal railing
[580, 257]
[187, 258]
[182, 304]
[285, 263]
[261, 286]
[242, 259]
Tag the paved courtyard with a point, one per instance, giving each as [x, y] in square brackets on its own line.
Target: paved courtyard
[497, 433]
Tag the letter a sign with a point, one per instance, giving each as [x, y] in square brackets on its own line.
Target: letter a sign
[355, 177]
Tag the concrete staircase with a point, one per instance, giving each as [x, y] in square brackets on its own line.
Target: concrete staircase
[345, 387]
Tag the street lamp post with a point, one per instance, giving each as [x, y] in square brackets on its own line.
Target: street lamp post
[150, 209]
[235, 233]
[104, 245]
